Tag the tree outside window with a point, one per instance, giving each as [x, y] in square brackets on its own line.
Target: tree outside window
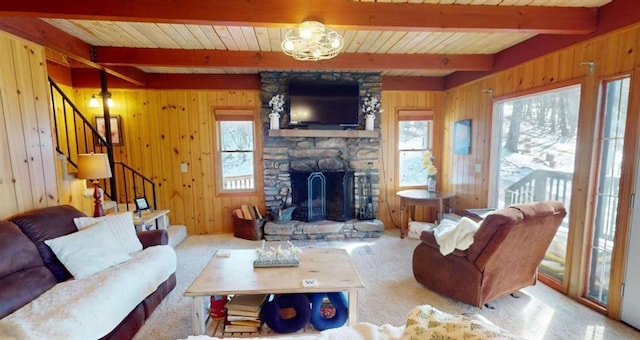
[536, 143]
[237, 155]
[415, 137]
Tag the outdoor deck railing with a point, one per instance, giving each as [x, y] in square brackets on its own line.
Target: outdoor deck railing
[238, 182]
[540, 185]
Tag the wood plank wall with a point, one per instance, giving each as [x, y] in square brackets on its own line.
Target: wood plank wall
[613, 55]
[162, 130]
[70, 190]
[165, 128]
[392, 101]
[27, 161]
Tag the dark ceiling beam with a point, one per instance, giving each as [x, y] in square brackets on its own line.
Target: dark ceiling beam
[44, 34]
[61, 74]
[279, 61]
[337, 13]
[128, 73]
[397, 83]
[85, 78]
[612, 16]
[41, 33]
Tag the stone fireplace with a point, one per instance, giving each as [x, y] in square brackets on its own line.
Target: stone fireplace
[328, 158]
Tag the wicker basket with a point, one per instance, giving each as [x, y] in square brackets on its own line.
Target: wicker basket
[248, 229]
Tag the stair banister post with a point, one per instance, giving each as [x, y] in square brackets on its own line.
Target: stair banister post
[107, 132]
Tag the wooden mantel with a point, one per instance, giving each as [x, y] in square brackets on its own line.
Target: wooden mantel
[324, 133]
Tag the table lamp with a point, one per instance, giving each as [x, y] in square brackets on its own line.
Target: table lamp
[94, 166]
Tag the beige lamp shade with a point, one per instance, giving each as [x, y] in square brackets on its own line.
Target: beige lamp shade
[93, 166]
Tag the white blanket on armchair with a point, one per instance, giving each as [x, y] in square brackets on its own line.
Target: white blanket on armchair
[91, 307]
[452, 235]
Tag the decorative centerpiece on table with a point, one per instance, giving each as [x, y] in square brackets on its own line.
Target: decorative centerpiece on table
[277, 257]
[431, 169]
[370, 106]
[277, 105]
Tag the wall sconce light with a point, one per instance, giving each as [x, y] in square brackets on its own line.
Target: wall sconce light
[94, 102]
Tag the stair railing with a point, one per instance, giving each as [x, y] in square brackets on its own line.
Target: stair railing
[134, 183]
[74, 134]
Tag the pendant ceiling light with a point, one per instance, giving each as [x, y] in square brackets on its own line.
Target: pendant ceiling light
[312, 41]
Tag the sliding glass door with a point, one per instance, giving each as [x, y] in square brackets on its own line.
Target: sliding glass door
[611, 141]
[535, 149]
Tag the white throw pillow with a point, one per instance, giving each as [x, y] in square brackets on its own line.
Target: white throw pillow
[88, 251]
[121, 225]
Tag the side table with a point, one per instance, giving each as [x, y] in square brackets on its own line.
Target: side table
[410, 198]
[477, 214]
[150, 218]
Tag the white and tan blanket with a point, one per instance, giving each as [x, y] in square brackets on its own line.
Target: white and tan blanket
[423, 322]
[91, 307]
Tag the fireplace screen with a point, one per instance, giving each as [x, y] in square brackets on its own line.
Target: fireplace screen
[323, 195]
[309, 196]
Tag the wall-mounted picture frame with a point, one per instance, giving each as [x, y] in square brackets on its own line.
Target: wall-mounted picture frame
[116, 129]
[462, 137]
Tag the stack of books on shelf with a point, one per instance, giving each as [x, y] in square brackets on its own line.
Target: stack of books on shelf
[243, 313]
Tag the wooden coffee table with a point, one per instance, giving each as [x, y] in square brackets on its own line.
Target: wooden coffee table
[331, 268]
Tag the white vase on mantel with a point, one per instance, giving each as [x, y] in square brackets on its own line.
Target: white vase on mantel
[275, 121]
[369, 122]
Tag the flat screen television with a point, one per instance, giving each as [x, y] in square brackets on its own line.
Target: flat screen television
[317, 104]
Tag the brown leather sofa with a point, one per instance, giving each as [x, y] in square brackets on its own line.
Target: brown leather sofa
[508, 246]
[28, 267]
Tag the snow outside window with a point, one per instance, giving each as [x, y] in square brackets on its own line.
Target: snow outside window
[237, 155]
[612, 130]
[414, 138]
[533, 155]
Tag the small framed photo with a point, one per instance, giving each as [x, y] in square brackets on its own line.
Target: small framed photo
[116, 129]
[462, 137]
[141, 204]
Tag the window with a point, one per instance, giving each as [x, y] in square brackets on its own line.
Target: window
[535, 153]
[611, 141]
[415, 136]
[236, 145]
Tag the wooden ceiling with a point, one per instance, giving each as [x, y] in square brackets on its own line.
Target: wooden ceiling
[399, 38]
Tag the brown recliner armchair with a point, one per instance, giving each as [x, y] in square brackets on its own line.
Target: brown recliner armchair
[508, 246]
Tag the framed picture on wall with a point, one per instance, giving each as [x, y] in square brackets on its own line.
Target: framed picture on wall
[462, 137]
[116, 129]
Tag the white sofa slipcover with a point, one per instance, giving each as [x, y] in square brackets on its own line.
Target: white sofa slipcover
[89, 308]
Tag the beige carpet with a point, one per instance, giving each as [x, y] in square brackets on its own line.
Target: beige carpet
[384, 265]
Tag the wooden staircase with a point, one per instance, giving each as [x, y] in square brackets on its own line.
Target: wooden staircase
[75, 135]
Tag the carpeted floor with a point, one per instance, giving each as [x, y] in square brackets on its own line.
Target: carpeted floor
[384, 264]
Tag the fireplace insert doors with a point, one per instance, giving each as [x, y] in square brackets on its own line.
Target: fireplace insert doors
[323, 195]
